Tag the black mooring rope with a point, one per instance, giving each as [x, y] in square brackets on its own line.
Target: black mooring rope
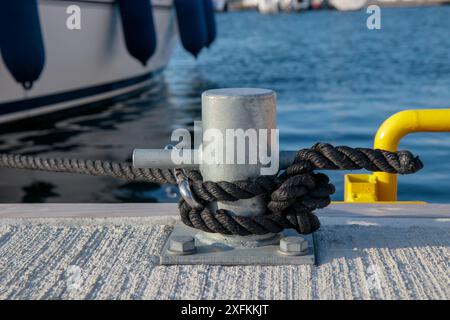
[291, 196]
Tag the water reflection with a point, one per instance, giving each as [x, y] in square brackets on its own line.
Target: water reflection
[335, 81]
[111, 133]
[38, 191]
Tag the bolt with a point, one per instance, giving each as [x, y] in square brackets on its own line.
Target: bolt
[293, 246]
[182, 245]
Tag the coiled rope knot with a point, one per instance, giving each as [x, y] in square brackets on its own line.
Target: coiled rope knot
[291, 196]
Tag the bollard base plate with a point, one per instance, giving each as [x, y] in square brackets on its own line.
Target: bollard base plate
[222, 254]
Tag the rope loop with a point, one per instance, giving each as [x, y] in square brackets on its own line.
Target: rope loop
[292, 196]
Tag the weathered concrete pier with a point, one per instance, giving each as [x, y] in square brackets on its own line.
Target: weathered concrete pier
[111, 251]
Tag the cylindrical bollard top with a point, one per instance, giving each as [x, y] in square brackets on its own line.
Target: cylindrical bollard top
[239, 93]
[237, 115]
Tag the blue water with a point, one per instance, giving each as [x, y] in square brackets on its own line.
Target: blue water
[336, 81]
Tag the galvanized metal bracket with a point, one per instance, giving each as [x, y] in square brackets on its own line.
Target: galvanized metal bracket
[221, 254]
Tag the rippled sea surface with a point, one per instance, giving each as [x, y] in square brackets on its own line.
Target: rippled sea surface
[336, 81]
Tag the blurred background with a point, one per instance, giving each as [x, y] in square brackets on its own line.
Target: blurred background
[336, 81]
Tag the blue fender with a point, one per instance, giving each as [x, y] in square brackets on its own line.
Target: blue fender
[192, 25]
[138, 28]
[210, 21]
[21, 43]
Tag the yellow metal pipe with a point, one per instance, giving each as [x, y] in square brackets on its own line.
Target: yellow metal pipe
[394, 129]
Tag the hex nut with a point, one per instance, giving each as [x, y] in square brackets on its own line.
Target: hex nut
[182, 245]
[293, 246]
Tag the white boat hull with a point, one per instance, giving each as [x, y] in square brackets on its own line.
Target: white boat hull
[268, 6]
[348, 5]
[88, 65]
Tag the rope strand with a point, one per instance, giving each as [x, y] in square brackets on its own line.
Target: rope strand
[292, 196]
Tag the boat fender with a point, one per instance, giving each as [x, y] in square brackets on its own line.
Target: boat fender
[138, 28]
[21, 42]
[191, 25]
[210, 22]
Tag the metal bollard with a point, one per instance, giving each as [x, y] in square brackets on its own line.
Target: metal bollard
[224, 111]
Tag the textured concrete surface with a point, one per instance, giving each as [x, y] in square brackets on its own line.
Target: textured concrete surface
[117, 258]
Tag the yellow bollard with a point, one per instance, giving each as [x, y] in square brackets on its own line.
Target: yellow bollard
[387, 138]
